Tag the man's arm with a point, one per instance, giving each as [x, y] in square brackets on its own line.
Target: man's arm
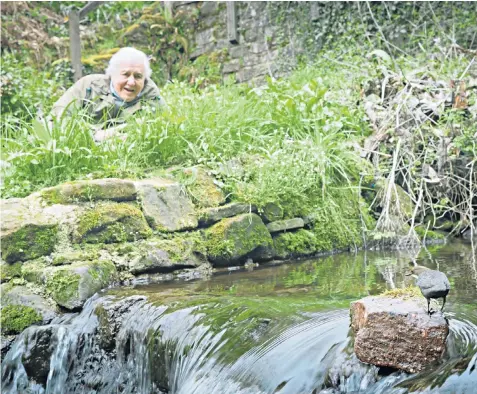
[71, 99]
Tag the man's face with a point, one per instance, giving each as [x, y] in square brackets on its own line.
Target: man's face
[129, 81]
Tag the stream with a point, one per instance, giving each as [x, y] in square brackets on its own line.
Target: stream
[282, 327]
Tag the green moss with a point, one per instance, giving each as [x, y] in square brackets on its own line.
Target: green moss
[15, 318]
[63, 286]
[10, 271]
[29, 242]
[233, 238]
[71, 192]
[404, 293]
[180, 247]
[201, 187]
[299, 243]
[111, 222]
[71, 257]
[32, 271]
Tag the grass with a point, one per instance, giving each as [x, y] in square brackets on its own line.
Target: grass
[291, 137]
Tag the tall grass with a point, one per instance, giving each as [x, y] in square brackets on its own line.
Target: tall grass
[292, 139]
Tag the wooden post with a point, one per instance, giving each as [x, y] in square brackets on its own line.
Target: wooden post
[232, 33]
[75, 44]
[169, 6]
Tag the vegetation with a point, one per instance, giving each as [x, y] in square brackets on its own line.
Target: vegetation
[294, 142]
[15, 318]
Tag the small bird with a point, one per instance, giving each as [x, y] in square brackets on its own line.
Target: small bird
[433, 284]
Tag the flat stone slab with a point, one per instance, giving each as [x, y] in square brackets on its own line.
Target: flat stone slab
[398, 333]
[98, 189]
[210, 216]
[166, 205]
[284, 225]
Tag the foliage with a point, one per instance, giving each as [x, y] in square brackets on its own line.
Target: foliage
[24, 90]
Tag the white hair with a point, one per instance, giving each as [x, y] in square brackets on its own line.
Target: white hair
[128, 55]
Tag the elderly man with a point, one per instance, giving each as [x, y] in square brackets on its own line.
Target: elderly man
[109, 99]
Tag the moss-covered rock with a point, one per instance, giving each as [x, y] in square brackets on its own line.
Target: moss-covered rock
[209, 216]
[271, 212]
[164, 255]
[294, 244]
[401, 203]
[25, 296]
[70, 286]
[29, 241]
[202, 187]
[112, 222]
[93, 190]
[10, 271]
[232, 239]
[15, 318]
[71, 257]
[166, 205]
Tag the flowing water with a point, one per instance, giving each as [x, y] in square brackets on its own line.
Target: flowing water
[281, 328]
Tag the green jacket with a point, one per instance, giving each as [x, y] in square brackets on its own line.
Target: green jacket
[92, 93]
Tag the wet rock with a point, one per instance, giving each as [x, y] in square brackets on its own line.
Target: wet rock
[40, 343]
[397, 333]
[111, 316]
[70, 286]
[112, 222]
[98, 189]
[230, 240]
[166, 205]
[5, 344]
[22, 295]
[212, 215]
[284, 225]
[271, 212]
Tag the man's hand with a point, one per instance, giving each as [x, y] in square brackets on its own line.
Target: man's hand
[101, 135]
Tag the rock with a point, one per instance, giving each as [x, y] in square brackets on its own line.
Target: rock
[166, 205]
[91, 190]
[22, 295]
[9, 271]
[165, 256]
[25, 233]
[112, 222]
[401, 203]
[210, 216]
[110, 318]
[295, 244]
[284, 225]
[397, 333]
[70, 286]
[6, 342]
[271, 212]
[230, 240]
[66, 258]
[203, 188]
[39, 343]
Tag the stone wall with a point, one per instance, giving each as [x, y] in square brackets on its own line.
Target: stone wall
[267, 44]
